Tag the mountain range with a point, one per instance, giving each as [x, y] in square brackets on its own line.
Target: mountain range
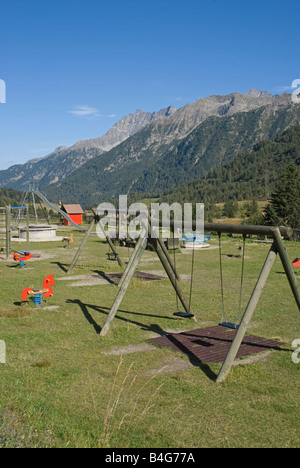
[154, 152]
[57, 165]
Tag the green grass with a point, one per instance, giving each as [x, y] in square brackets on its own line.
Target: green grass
[58, 389]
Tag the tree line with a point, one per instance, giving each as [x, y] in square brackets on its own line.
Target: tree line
[270, 172]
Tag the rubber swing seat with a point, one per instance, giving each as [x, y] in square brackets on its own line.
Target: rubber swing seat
[234, 326]
[183, 314]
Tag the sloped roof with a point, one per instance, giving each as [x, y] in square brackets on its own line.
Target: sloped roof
[72, 209]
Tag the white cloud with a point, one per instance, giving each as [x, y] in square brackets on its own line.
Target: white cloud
[295, 84]
[85, 111]
[284, 88]
[88, 112]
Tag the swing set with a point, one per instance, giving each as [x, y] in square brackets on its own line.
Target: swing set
[242, 324]
[178, 313]
[224, 322]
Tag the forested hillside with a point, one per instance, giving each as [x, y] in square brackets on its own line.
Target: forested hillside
[252, 175]
[10, 197]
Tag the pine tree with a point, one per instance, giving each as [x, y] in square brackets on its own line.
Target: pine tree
[229, 209]
[284, 206]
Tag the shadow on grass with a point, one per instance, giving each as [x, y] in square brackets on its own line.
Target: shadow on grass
[105, 311]
[106, 277]
[63, 266]
[150, 328]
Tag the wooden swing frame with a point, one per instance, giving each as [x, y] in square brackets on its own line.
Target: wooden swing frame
[277, 247]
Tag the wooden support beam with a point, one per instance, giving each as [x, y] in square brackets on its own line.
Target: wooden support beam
[84, 241]
[130, 270]
[8, 231]
[81, 247]
[128, 274]
[169, 260]
[130, 261]
[247, 229]
[154, 232]
[110, 243]
[171, 275]
[237, 341]
[286, 263]
[27, 228]
[277, 247]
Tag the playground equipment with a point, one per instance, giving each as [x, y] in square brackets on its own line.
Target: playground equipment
[54, 208]
[68, 240]
[195, 241]
[224, 322]
[114, 254]
[178, 313]
[6, 227]
[4, 231]
[38, 232]
[277, 247]
[296, 262]
[26, 256]
[88, 231]
[11, 216]
[46, 291]
[19, 213]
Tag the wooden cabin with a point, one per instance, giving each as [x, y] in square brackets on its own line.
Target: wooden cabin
[75, 212]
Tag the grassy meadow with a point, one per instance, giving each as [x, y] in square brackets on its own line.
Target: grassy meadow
[65, 386]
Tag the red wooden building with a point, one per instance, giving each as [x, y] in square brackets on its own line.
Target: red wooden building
[74, 212]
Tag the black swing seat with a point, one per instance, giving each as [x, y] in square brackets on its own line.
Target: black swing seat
[112, 255]
[226, 324]
[183, 314]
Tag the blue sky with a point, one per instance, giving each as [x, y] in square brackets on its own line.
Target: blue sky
[73, 68]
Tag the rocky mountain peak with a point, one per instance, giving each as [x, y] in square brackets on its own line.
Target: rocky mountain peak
[257, 94]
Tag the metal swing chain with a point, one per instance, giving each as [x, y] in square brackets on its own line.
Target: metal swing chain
[242, 278]
[183, 314]
[174, 255]
[34, 207]
[47, 218]
[221, 278]
[192, 273]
